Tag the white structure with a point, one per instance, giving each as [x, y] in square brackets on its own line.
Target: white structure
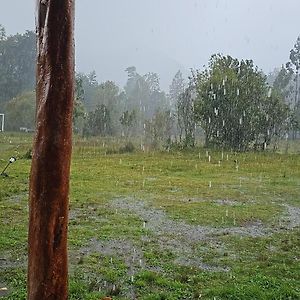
[2, 122]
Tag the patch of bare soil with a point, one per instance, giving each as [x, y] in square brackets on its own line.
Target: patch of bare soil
[160, 224]
[292, 217]
[121, 248]
[3, 290]
[186, 243]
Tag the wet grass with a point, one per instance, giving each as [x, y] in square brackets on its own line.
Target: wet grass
[113, 252]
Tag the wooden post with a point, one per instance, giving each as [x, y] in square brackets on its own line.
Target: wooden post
[49, 179]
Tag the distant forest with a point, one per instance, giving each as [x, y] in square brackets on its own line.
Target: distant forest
[231, 104]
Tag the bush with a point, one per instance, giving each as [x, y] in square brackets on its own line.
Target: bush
[128, 148]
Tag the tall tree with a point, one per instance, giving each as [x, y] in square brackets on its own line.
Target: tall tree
[98, 122]
[49, 179]
[78, 109]
[295, 63]
[17, 57]
[176, 89]
[2, 33]
[235, 106]
[186, 117]
[89, 85]
[20, 112]
[295, 60]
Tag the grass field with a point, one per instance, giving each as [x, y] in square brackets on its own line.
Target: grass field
[161, 225]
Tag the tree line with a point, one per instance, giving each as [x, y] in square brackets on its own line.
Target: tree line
[231, 103]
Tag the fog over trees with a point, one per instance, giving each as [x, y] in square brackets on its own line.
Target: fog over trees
[231, 103]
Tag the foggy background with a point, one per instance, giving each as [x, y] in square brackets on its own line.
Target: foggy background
[164, 36]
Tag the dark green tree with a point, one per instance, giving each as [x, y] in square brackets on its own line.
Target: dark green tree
[186, 117]
[79, 109]
[235, 106]
[17, 64]
[127, 120]
[295, 64]
[20, 112]
[158, 129]
[295, 61]
[98, 122]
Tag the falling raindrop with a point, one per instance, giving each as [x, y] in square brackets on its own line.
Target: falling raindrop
[209, 184]
[238, 92]
[209, 158]
[269, 92]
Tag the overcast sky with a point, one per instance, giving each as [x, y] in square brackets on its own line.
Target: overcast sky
[164, 35]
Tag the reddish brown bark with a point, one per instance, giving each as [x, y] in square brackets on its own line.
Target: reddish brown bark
[49, 180]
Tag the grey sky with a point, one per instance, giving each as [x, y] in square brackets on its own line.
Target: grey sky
[164, 35]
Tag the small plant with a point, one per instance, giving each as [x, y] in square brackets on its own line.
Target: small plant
[28, 154]
[128, 148]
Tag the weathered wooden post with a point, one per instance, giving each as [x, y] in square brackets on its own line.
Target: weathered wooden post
[49, 180]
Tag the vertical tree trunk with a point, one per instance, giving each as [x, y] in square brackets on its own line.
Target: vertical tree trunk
[49, 181]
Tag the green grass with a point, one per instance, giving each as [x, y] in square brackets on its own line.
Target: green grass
[113, 253]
